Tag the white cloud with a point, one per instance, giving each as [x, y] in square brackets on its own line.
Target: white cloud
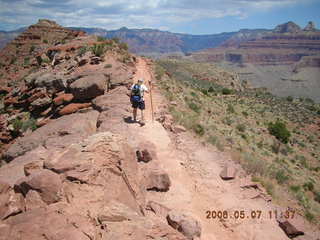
[113, 14]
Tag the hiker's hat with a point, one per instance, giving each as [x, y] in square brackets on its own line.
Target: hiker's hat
[140, 80]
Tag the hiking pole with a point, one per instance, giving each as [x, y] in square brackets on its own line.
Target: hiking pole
[151, 100]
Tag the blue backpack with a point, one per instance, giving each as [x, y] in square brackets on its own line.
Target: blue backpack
[136, 93]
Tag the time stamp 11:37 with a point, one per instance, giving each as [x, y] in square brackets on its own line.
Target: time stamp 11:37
[252, 214]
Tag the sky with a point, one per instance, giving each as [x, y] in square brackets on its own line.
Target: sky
[183, 16]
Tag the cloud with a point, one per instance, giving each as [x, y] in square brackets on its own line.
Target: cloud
[113, 14]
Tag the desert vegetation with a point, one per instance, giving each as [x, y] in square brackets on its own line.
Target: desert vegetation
[276, 140]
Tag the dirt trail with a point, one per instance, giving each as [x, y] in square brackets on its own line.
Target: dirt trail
[196, 187]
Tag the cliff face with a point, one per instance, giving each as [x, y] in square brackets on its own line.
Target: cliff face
[286, 44]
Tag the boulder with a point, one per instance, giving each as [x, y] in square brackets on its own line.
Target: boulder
[13, 171]
[32, 167]
[290, 229]
[47, 183]
[228, 173]
[89, 87]
[11, 203]
[56, 134]
[116, 212]
[41, 103]
[63, 99]
[33, 200]
[51, 81]
[179, 129]
[158, 181]
[73, 107]
[185, 224]
[158, 209]
[42, 223]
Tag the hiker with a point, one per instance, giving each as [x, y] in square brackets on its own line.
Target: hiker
[137, 100]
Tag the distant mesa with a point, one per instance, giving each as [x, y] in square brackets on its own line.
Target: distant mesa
[289, 27]
[311, 27]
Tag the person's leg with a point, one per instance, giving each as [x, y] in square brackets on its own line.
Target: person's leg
[135, 114]
[142, 115]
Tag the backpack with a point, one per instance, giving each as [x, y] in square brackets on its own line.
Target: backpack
[136, 93]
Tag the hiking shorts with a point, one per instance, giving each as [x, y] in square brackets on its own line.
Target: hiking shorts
[140, 104]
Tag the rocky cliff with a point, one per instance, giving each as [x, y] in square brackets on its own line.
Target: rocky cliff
[286, 44]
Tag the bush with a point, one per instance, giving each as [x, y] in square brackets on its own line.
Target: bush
[226, 91]
[32, 48]
[317, 197]
[194, 107]
[281, 176]
[211, 89]
[29, 124]
[26, 61]
[230, 109]
[309, 216]
[116, 40]
[241, 127]
[199, 129]
[82, 50]
[295, 188]
[123, 46]
[108, 66]
[289, 99]
[45, 41]
[17, 124]
[280, 131]
[98, 49]
[101, 39]
[308, 186]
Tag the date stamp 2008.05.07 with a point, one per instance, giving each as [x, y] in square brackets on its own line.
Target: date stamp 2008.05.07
[251, 214]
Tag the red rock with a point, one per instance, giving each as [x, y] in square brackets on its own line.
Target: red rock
[46, 182]
[5, 90]
[73, 107]
[158, 181]
[185, 224]
[33, 200]
[159, 209]
[289, 229]
[179, 129]
[9, 101]
[32, 167]
[11, 203]
[62, 99]
[228, 173]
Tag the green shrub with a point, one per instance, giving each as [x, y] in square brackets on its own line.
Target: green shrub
[308, 186]
[317, 197]
[82, 50]
[116, 40]
[101, 39]
[211, 89]
[199, 129]
[17, 124]
[295, 188]
[230, 109]
[26, 61]
[32, 48]
[281, 176]
[280, 131]
[29, 124]
[226, 91]
[123, 46]
[98, 49]
[309, 216]
[289, 99]
[245, 114]
[241, 127]
[108, 66]
[45, 41]
[194, 107]
[213, 140]
[13, 60]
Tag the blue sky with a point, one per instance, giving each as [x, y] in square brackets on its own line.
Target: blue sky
[187, 16]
